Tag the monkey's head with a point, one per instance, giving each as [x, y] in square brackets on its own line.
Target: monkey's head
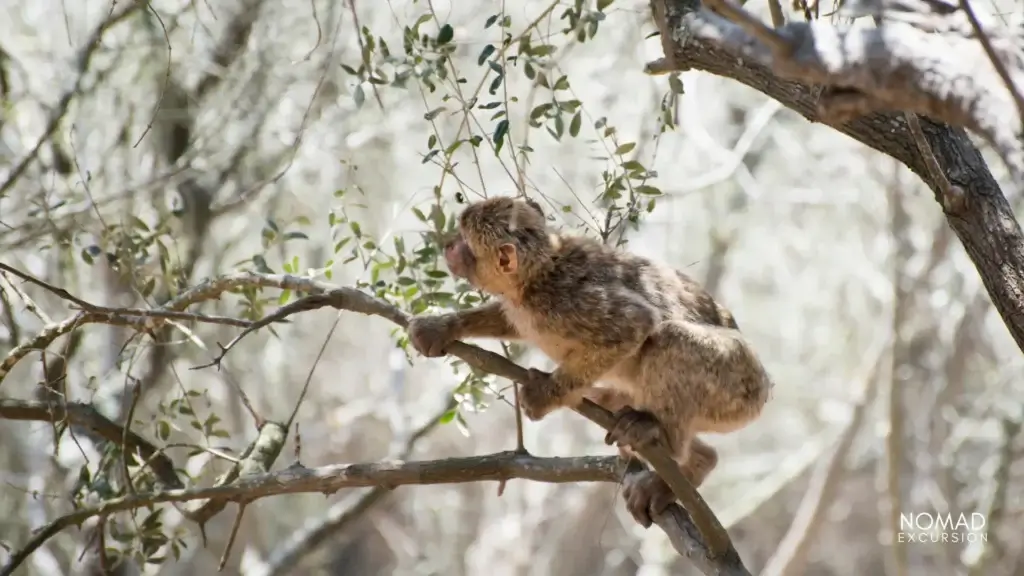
[501, 242]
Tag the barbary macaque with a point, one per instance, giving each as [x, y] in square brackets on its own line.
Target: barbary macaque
[637, 337]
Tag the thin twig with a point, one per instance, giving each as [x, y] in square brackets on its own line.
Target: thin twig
[997, 62]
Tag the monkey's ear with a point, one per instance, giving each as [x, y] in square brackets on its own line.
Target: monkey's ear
[508, 258]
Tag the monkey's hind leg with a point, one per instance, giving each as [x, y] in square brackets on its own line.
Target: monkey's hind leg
[647, 494]
[702, 460]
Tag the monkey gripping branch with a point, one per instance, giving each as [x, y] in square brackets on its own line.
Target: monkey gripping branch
[694, 531]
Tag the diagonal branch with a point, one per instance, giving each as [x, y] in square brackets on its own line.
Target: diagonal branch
[855, 60]
[895, 66]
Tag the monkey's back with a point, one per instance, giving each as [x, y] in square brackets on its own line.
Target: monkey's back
[583, 266]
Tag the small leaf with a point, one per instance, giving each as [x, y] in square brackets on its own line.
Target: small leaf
[625, 148]
[648, 190]
[499, 136]
[163, 430]
[446, 34]
[485, 54]
[447, 416]
[574, 126]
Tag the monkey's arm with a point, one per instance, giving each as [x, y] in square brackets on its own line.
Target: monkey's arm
[485, 321]
[432, 334]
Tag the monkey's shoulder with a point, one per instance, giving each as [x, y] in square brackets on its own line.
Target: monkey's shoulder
[595, 271]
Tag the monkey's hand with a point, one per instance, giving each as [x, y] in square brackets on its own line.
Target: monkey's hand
[540, 395]
[430, 335]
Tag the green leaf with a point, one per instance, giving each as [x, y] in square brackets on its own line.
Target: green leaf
[163, 430]
[433, 114]
[499, 136]
[574, 126]
[446, 34]
[625, 148]
[648, 190]
[447, 416]
[485, 54]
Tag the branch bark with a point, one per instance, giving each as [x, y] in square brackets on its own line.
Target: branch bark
[896, 66]
[328, 479]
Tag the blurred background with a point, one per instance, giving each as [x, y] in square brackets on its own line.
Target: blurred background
[147, 146]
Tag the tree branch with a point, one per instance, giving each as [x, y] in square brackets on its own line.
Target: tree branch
[328, 479]
[87, 416]
[288, 553]
[880, 65]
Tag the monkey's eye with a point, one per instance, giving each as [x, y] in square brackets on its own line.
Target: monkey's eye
[460, 198]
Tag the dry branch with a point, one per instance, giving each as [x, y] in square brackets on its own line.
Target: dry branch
[329, 479]
[87, 416]
[903, 66]
[288, 553]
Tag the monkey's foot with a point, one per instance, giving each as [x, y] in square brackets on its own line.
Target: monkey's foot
[646, 495]
[635, 429]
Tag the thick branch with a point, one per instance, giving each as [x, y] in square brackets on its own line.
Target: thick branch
[328, 479]
[896, 66]
[87, 416]
[982, 219]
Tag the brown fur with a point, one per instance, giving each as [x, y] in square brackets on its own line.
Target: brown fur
[626, 332]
